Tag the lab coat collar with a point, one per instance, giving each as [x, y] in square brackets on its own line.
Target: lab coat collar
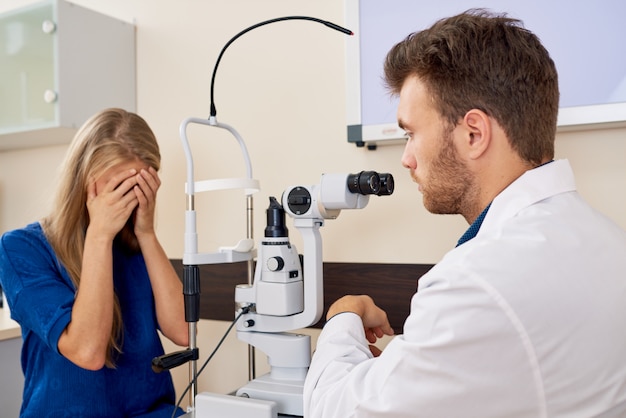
[531, 187]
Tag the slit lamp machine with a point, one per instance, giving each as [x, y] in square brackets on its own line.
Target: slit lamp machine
[284, 291]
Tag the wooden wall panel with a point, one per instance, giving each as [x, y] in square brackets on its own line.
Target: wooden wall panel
[391, 286]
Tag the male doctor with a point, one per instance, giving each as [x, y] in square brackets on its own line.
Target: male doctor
[526, 317]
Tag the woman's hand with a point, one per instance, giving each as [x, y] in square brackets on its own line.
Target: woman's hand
[148, 184]
[110, 208]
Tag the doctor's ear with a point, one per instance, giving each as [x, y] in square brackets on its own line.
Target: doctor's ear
[478, 127]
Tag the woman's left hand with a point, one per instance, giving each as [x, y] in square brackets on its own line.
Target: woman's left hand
[148, 183]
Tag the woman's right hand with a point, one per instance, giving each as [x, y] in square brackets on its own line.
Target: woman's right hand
[110, 208]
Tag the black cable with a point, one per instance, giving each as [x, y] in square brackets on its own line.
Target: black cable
[219, 344]
[266, 22]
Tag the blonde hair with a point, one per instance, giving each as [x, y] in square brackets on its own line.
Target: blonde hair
[111, 137]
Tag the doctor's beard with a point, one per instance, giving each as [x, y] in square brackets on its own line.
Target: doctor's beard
[449, 188]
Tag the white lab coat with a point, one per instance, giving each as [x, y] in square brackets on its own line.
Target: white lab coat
[528, 319]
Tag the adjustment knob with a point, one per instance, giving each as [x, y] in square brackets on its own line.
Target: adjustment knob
[275, 263]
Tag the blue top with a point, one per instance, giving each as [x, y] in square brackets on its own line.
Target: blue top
[41, 295]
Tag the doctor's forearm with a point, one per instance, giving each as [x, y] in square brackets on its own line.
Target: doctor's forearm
[331, 379]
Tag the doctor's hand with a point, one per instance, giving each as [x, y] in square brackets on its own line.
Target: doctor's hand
[375, 322]
[148, 183]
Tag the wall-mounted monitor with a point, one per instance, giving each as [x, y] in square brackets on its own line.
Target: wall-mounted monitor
[585, 39]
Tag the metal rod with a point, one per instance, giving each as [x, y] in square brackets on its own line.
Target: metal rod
[191, 293]
[190, 202]
[193, 367]
[250, 235]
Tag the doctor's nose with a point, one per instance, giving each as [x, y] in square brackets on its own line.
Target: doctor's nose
[408, 159]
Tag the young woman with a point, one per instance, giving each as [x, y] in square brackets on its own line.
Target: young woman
[90, 284]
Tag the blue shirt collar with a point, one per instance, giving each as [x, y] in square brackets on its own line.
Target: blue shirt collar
[474, 227]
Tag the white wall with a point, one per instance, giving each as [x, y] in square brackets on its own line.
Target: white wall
[282, 88]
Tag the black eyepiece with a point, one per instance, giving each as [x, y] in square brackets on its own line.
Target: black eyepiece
[386, 184]
[365, 182]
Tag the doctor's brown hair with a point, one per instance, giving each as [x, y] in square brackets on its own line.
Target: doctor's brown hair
[109, 138]
[477, 60]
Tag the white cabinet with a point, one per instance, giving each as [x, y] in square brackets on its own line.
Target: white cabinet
[59, 64]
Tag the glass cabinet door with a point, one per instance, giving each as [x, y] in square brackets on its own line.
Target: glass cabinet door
[27, 69]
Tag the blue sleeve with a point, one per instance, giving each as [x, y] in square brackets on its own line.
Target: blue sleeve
[38, 290]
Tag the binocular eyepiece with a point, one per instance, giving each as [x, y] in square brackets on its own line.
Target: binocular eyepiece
[371, 182]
